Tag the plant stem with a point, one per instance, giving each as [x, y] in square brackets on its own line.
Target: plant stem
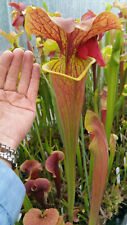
[70, 174]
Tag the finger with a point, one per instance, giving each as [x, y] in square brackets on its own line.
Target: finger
[5, 61]
[34, 83]
[13, 73]
[26, 72]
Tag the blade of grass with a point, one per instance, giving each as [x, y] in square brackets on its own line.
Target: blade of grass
[40, 141]
[84, 161]
[79, 162]
[30, 156]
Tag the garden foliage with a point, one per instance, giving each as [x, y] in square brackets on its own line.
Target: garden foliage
[70, 159]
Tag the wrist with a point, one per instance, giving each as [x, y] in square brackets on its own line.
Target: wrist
[6, 140]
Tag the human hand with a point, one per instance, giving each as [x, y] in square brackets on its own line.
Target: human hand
[17, 96]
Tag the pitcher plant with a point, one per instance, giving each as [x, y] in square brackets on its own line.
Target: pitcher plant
[79, 49]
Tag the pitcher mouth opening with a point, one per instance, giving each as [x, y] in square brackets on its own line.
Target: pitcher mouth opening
[47, 67]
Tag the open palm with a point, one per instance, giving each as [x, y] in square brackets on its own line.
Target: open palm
[17, 95]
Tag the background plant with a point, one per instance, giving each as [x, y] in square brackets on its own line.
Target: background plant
[44, 137]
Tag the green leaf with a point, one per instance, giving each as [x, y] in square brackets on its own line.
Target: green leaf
[112, 76]
[45, 6]
[27, 204]
[19, 223]
[108, 6]
[12, 37]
